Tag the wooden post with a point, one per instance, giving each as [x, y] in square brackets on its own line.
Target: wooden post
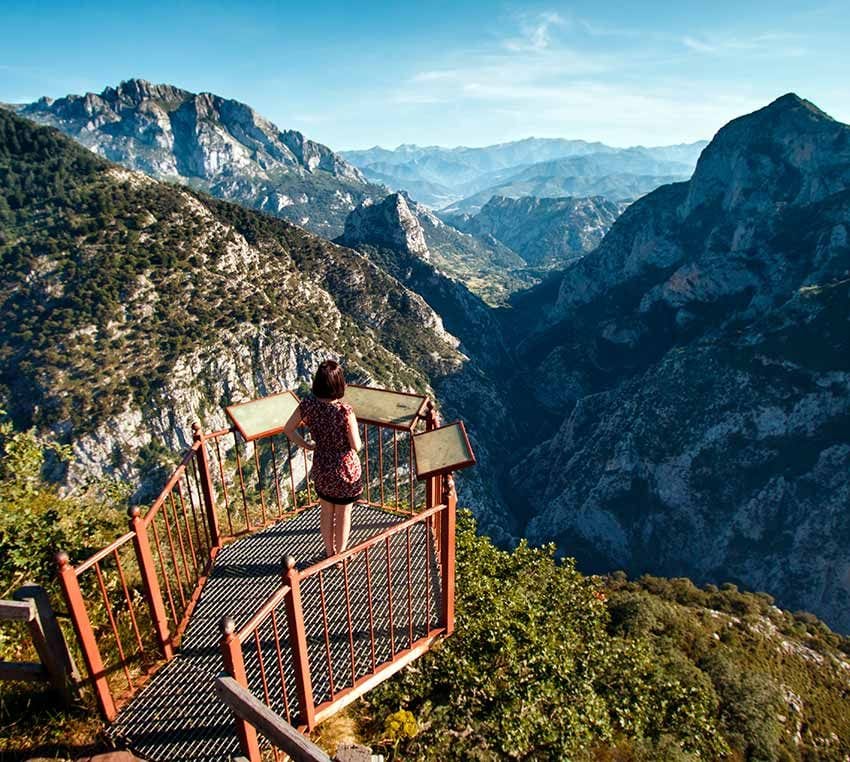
[153, 592]
[447, 552]
[277, 730]
[234, 665]
[49, 642]
[88, 642]
[207, 487]
[298, 640]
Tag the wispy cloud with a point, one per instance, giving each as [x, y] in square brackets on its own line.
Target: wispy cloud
[768, 43]
[556, 74]
[532, 63]
[535, 32]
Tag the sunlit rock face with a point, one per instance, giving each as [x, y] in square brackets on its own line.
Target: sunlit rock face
[210, 142]
[389, 223]
[693, 374]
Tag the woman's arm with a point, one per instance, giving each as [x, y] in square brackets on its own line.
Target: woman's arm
[295, 420]
[353, 432]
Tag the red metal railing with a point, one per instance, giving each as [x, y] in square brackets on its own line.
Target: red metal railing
[254, 484]
[331, 632]
[130, 602]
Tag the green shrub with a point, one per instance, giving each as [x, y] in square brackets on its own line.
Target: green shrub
[532, 673]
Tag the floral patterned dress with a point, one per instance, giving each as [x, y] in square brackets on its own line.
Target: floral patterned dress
[336, 467]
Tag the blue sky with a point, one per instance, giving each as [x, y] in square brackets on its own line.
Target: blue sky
[356, 74]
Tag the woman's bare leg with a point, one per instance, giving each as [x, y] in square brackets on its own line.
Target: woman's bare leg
[326, 526]
[342, 525]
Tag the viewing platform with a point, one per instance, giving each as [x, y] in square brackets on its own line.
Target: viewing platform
[225, 573]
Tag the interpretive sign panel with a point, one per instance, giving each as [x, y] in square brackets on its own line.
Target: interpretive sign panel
[440, 450]
[263, 417]
[398, 410]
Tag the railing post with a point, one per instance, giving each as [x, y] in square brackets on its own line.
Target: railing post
[206, 485]
[88, 642]
[153, 592]
[234, 665]
[298, 638]
[447, 552]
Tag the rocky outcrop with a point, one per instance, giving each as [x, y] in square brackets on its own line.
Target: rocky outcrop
[398, 223]
[693, 372]
[220, 145]
[388, 223]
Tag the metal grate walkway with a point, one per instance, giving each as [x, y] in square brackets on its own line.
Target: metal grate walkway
[177, 715]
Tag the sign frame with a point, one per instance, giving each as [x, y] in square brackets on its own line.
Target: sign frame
[398, 427]
[471, 461]
[266, 432]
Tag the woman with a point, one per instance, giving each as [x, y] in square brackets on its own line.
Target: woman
[336, 466]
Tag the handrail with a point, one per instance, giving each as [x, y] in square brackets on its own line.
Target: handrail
[264, 611]
[103, 553]
[218, 433]
[172, 482]
[222, 489]
[278, 595]
[401, 641]
[55, 663]
[374, 540]
[281, 734]
[17, 611]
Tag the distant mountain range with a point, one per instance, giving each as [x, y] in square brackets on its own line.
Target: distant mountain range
[214, 144]
[225, 148]
[447, 177]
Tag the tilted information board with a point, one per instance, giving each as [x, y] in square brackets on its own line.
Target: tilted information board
[442, 450]
[398, 410]
[263, 417]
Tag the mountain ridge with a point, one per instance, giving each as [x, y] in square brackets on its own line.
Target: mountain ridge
[133, 307]
[216, 144]
[444, 177]
[547, 232]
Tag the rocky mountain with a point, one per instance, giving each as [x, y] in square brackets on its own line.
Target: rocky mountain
[440, 177]
[131, 308]
[688, 381]
[545, 232]
[214, 144]
[484, 264]
[676, 401]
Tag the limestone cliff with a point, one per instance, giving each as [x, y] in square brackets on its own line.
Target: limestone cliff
[693, 373]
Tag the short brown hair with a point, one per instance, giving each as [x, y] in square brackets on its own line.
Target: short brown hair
[329, 381]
